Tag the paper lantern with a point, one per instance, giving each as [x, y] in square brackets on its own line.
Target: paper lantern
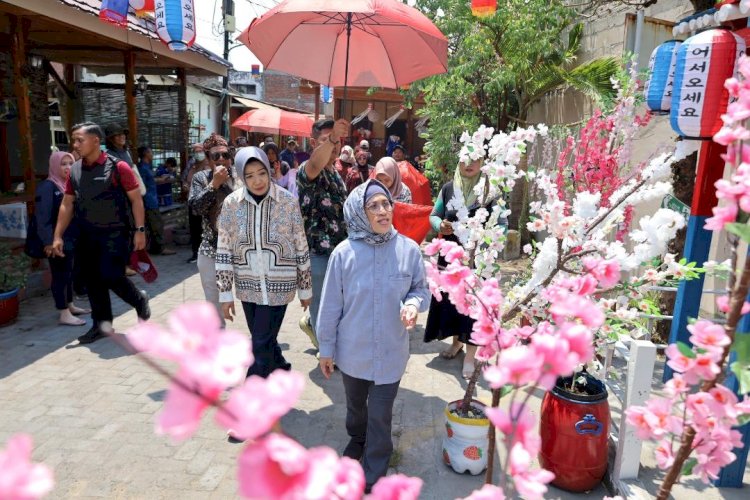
[175, 23]
[660, 82]
[483, 8]
[142, 7]
[114, 12]
[704, 62]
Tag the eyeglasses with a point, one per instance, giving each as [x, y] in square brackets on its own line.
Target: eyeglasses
[225, 154]
[374, 208]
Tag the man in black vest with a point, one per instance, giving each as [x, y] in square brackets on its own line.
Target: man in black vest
[103, 193]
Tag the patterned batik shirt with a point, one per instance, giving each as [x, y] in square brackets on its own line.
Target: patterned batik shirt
[322, 204]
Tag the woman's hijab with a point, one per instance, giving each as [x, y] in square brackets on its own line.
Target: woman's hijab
[355, 215]
[389, 167]
[465, 186]
[56, 173]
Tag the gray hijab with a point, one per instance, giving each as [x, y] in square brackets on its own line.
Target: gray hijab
[357, 223]
[244, 155]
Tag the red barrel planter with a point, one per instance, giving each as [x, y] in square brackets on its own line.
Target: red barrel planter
[575, 430]
[8, 306]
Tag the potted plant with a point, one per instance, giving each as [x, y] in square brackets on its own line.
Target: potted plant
[14, 269]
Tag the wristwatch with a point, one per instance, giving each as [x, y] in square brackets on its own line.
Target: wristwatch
[141, 229]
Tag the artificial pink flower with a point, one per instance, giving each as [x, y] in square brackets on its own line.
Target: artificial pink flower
[396, 487]
[709, 335]
[183, 409]
[433, 248]
[722, 303]
[19, 477]
[728, 135]
[197, 343]
[678, 361]
[722, 216]
[664, 454]
[704, 368]
[519, 422]
[280, 468]
[557, 359]
[676, 386]
[607, 272]
[487, 492]
[455, 254]
[256, 406]
[517, 365]
[570, 306]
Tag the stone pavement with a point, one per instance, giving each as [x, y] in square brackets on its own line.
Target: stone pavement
[91, 409]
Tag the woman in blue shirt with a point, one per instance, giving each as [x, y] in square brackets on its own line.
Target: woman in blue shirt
[374, 288]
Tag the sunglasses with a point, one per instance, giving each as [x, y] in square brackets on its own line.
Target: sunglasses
[226, 155]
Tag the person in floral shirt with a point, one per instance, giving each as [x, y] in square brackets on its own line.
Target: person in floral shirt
[321, 197]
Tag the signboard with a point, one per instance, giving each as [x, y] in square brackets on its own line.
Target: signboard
[673, 203]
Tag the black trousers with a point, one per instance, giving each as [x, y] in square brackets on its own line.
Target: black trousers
[105, 254]
[195, 224]
[369, 412]
[154, 231]
[61, 269]
[264, 323]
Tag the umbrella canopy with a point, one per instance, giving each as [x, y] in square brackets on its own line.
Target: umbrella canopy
[361, 43]
[275, 121]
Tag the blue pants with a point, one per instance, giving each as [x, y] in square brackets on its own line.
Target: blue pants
[264, 323]
[318, 267]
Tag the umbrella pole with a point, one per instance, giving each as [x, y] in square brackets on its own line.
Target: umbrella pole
[346, 66]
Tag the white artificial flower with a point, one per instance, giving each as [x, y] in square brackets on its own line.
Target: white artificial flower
[586, 204]
[527, 248]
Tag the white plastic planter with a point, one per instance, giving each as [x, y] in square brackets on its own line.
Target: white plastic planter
[466, 441]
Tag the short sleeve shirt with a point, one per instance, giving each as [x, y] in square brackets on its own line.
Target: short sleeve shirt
[129, 180]
[322, 204]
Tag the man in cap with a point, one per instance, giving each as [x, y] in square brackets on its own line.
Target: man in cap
[103, 193]
[398, 153]
[287, 154]
[207, 193]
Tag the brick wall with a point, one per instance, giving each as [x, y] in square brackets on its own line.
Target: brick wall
[284, 89]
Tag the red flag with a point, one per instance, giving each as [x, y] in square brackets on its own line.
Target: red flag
[412, 221]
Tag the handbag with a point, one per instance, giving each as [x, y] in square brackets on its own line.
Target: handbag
[34, 246]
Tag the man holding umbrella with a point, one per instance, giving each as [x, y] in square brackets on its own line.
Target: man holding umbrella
[321, 196]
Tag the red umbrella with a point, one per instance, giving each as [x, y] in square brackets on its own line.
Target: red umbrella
[363, 43]
[275, 121]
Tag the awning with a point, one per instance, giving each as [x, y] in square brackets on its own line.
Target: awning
[253, 104]
[69, 31]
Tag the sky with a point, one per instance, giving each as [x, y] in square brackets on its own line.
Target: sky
[211, 32]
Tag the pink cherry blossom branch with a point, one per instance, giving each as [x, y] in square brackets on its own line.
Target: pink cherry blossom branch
[219, 405]
[686, 447]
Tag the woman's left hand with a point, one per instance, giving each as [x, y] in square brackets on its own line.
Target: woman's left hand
[305, 303]
[409, 316]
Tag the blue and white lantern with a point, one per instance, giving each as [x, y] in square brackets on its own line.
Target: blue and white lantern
[660, 83]
[175, 23]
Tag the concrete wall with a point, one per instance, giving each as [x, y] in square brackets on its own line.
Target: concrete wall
[206, 113]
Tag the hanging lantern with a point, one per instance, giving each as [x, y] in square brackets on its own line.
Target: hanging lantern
[704, 62]
[660, 83]
[175, 23]
[114, 12]
[483, 8]
[142, 7]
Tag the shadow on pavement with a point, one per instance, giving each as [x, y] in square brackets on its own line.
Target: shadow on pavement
[36, 333]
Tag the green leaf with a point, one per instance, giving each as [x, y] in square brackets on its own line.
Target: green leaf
[743, 419]
[742, 372]
[687, 467]
[741, 230]
[685, 350]
[741, 347]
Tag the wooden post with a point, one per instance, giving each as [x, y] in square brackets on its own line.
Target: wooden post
[20, 34]
[130, 104]
[69, 74]
[183, 117]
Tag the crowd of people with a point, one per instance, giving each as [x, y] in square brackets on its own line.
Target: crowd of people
[264, 228]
